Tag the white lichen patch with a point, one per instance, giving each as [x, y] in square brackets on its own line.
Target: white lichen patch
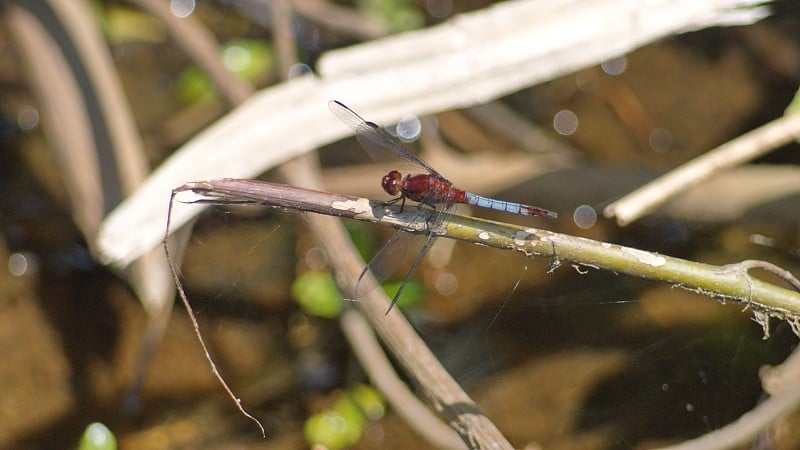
[483, 235]
[192, 197]
[359, 206]
[651, 259]
[543, 235]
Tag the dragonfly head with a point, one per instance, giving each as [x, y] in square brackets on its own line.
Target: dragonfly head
[392, 182]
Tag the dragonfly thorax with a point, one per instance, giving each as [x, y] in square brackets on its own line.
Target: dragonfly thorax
[392, 182]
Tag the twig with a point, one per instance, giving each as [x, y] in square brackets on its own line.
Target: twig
[380, 372]
[506, 122]
[746, 147]
[188, 307]
[746, 428]
[340, 19]
[771, 268]
[283, 35]
[777, 379]
[721, 282]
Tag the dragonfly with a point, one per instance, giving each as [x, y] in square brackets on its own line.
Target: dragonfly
[422, 184]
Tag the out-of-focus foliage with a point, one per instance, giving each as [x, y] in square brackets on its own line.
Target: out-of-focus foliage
[317, 294]
[249, 59]
[122, 24]
[97, 437]
[343, 425]
[412, 293]
[399, 15]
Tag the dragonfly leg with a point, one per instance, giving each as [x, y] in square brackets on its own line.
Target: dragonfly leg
[401, 199]
[428, 222]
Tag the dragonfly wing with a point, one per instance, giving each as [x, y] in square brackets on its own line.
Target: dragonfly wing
[379, 144]
[420, 254]
[398, 250]
[382, 146]
[388, 260]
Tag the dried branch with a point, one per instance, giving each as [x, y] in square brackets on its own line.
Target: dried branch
[196, 326]
[340, 19]
[744, 430]
[380, 371]
[744, 148]
[725, 283]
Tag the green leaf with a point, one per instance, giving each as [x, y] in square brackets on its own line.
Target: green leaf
[399, 15]
[250, 59]
[97, 437]
[350, 410]
[343, 425]
[369, 401]
[331, 429]
[193, 86]
[123, 24]
[317, 294]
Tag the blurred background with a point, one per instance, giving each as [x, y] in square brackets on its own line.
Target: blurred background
[564, 360]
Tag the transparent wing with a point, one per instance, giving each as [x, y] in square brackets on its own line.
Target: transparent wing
[379, 144]
[393, 255]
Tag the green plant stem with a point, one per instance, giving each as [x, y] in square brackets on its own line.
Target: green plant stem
[730, 282]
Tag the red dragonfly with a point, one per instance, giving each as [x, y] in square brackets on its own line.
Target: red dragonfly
[422, 184]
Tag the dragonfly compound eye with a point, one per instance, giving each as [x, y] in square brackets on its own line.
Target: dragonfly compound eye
[391, 182]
